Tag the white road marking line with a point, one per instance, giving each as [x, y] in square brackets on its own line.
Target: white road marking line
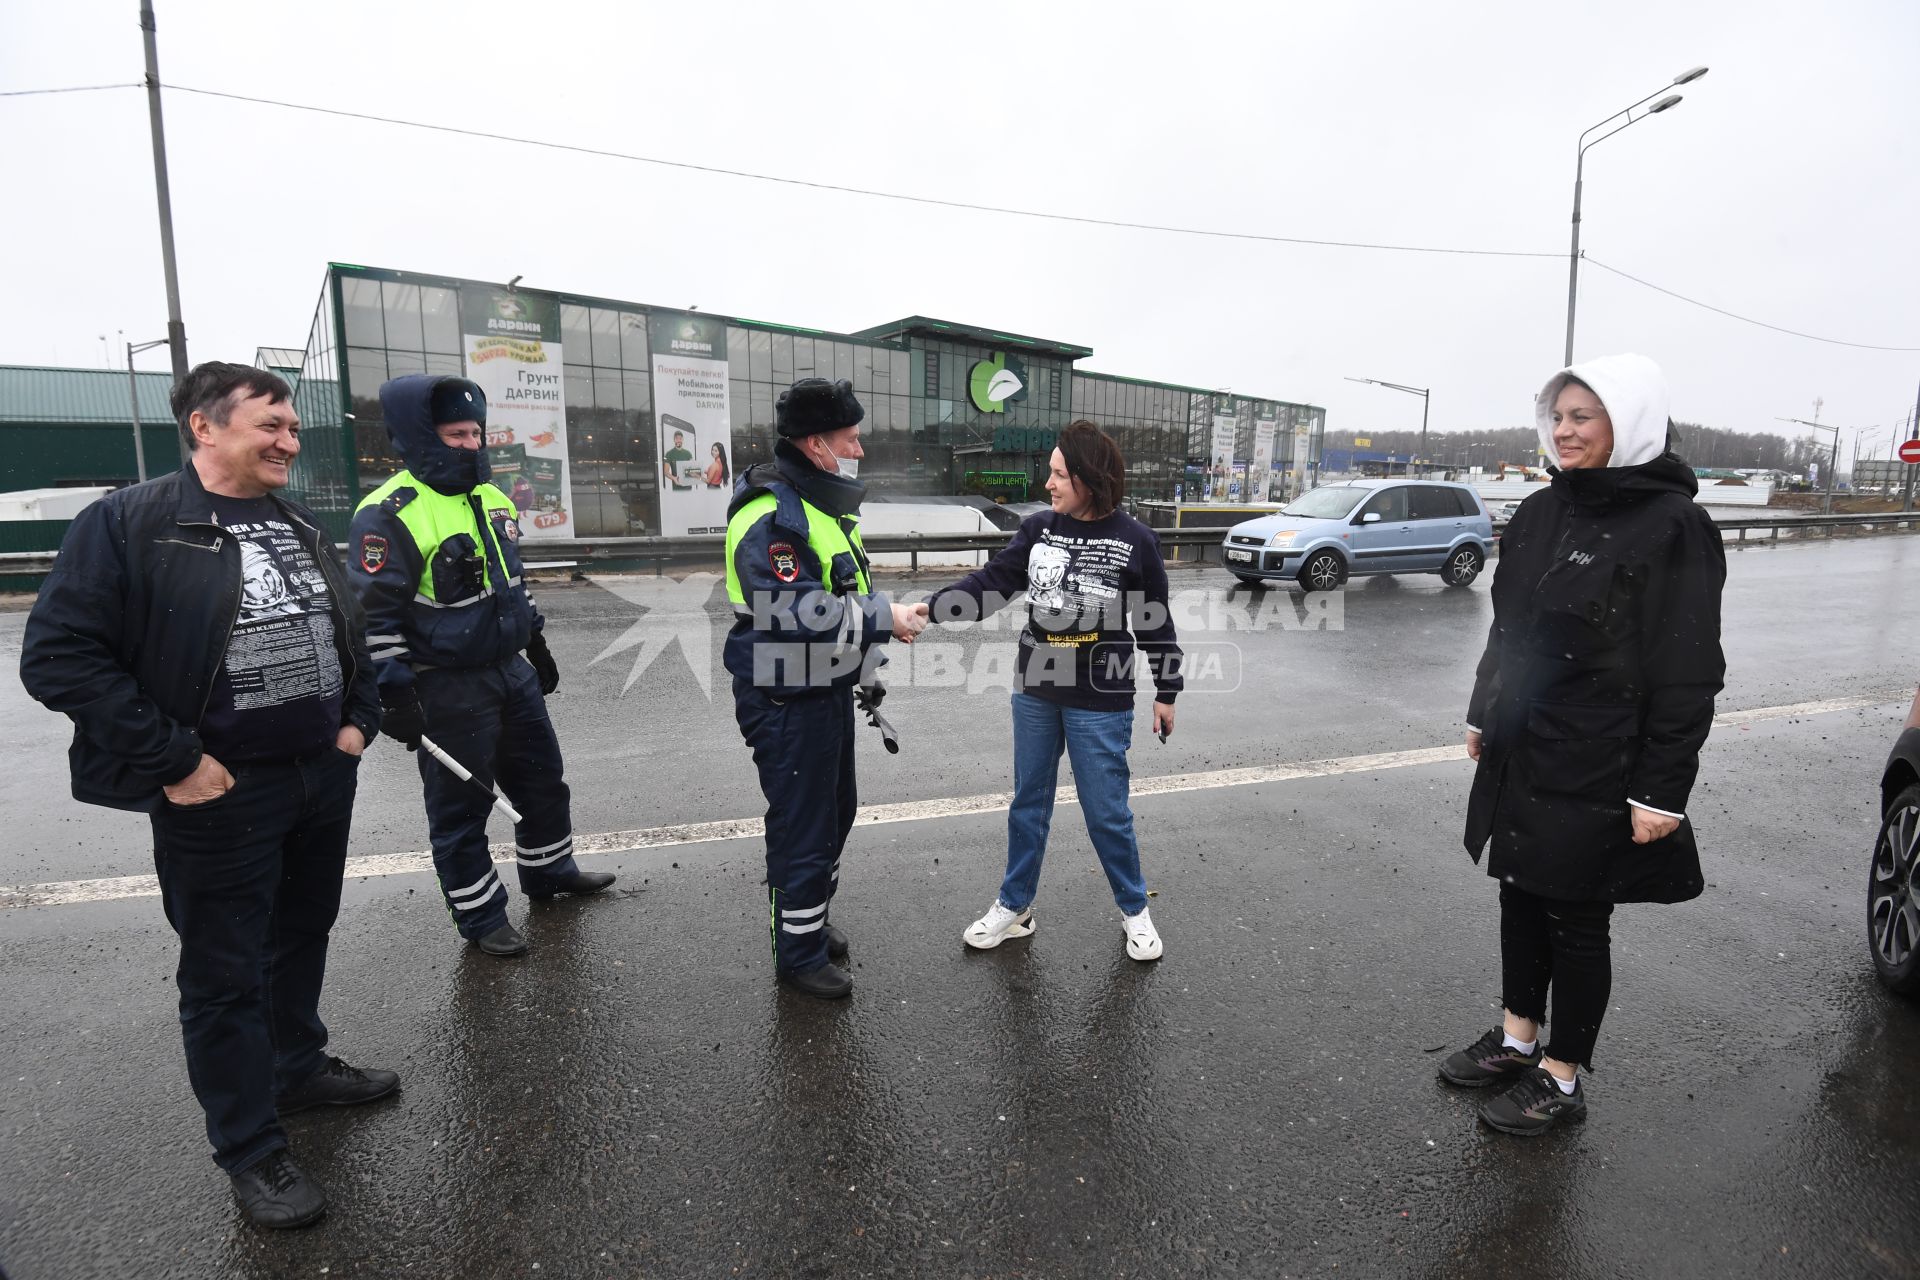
[78, 892]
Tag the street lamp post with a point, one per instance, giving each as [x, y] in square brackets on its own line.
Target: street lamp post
[1579, 166]
[1833, 459]
[133, 400]
[1422, 392]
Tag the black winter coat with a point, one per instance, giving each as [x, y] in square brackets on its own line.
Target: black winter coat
[1597, 684]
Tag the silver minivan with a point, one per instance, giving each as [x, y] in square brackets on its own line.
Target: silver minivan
[1359, 527]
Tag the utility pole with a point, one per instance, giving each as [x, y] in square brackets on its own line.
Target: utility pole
[1913, 433]
[176, 328]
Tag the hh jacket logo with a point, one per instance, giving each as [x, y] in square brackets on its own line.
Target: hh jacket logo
[786, 565]
[373, 552]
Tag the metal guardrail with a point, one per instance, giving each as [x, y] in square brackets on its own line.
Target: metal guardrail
[612, 553]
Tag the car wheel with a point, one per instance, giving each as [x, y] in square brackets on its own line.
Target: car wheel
[1893, 895]
[1462, 567]
[1323, 571]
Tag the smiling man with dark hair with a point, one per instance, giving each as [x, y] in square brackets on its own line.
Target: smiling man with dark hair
[199, 633]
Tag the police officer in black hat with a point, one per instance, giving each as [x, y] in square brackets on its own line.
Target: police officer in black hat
[806, 617]
[434, 555]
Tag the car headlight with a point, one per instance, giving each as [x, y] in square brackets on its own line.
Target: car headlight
[1284, 538]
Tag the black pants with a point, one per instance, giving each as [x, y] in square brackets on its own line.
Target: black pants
[1563, 945]
[251, 883]
[803, 749]
[494, 721]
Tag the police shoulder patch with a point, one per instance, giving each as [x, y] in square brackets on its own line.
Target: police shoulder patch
[373, 552]
[784, 561]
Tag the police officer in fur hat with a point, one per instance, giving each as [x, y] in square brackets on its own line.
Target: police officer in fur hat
[806, 617]
[435, 558]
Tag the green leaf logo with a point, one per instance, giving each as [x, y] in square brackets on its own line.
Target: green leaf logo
[992, 383]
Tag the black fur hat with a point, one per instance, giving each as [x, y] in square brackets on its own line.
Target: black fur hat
[813, 405]
[458, 400]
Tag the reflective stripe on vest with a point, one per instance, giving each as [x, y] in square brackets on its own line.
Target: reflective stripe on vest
[826, 536]
[432, 517]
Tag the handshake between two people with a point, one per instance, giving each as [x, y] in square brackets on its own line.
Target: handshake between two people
[909, 620]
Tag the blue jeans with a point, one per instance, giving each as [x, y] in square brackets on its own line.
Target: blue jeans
[1097, 742]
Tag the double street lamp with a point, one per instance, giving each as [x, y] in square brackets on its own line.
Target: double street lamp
[1422, 392]
[1573, 258]
[1833, 459]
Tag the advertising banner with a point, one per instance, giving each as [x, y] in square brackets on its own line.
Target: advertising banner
[695, 449]
[1302, 445]
[1258, 474]
[513, 351]
[1222, 483]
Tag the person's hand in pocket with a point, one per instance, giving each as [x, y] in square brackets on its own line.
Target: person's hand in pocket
[208, 781]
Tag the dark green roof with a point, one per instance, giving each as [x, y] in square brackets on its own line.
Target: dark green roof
[952, 332]
[80, 396]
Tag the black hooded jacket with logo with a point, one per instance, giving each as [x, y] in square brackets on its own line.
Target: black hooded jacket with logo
[1597, 685]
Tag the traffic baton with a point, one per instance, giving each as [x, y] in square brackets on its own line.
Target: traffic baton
[465, 774]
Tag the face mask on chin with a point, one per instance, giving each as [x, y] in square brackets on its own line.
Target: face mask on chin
[845, 468]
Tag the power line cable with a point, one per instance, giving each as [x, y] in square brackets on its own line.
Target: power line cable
[1812, 337]
[1081, 219]
[859, 191]
[76, 88]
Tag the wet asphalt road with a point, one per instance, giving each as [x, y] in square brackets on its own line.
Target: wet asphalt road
[637, 1098]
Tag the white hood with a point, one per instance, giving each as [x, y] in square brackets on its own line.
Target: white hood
[1635, 393]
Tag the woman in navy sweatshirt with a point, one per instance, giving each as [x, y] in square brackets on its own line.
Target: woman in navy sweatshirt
[1096, 591]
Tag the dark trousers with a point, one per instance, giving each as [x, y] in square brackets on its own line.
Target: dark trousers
[494, 721]
[803, 749]
[1563, 945]
[251, 883]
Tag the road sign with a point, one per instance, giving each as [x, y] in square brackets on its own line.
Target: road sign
[1910, 451]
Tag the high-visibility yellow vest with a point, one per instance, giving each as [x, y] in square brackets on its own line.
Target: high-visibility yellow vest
[826, 536]
[432, 517]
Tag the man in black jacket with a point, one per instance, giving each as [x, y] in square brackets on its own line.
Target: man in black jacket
[199, 632]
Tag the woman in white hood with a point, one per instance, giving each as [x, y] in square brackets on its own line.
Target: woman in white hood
[1587, 716]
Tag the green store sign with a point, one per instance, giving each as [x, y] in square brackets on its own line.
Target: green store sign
[1025, 439]
[994, 383]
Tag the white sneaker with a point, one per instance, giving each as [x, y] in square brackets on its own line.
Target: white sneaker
[1143, 940]
[1000, 923]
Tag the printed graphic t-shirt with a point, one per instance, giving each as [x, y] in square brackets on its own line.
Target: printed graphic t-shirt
[279, 691]
[1097, 609]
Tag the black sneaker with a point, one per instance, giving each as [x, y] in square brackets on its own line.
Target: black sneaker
[836, 943]
[826, 982]
[337, 1085]
[1487, 1060]
[1535, 1105]
[275, 1193]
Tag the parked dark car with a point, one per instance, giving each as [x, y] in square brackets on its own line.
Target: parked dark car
[1893, 886]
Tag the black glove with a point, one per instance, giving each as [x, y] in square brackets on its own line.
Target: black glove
[402, 718]
[542, 659]
[868, 697]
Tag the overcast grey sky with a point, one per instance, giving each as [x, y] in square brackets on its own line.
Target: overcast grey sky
[1785, 187]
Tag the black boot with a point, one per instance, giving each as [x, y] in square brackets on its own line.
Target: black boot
[504, 941]
[836, 943]
[826, 982]
[580, 883]
[275, 1193]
